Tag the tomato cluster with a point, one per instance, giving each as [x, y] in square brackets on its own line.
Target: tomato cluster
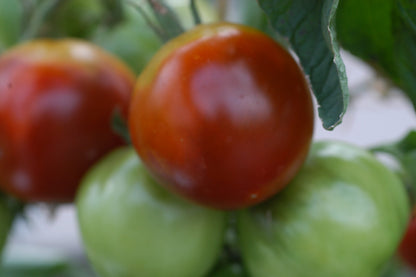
[220, 119]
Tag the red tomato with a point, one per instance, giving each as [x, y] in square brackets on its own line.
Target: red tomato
[407, 248]
[56, 102]
[222, 115]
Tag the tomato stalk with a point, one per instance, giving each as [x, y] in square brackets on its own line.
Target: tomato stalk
[167, 19]
[36, 17]
[222, 8]
[155, 28]
[195, 13]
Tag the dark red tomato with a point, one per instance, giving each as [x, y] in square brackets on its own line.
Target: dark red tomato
[407, 248]
[222, 115]
[56, 103]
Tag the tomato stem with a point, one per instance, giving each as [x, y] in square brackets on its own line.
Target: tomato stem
[222, 8]
[146, 17]
[167, 19]
[36, 18]
[195, 13]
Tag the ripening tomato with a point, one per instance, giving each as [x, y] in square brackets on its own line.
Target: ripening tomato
[57, 99]
[222, 115]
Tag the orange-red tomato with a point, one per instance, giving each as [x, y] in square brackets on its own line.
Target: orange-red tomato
[56, 103]
[222, 115]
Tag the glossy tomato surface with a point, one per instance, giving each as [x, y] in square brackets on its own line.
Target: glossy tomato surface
[222, 115]
[131, 226]
[342, 215]
[57, 99]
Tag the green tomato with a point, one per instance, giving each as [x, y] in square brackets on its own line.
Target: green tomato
[132, 227]
[342, 215]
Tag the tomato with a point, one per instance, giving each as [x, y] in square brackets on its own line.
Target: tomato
[222, 115]
[57, 99]
[131, 226]
[342, 215]
[407, 248]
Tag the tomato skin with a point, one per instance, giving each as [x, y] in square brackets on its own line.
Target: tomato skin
[342, 215]
[131, 226]
[407, 248]
[222, 115]
[56, 103]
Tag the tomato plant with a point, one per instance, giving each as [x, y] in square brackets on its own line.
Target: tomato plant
[222, 115]
[57, 99]
[131, 226]
[342, 215]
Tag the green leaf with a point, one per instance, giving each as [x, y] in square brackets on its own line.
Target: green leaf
[408, 143]
[405, 48]
[382, 33]
[310, 28]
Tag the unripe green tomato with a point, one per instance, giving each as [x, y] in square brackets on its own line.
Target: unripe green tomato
[133, 227]
[343, 215]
